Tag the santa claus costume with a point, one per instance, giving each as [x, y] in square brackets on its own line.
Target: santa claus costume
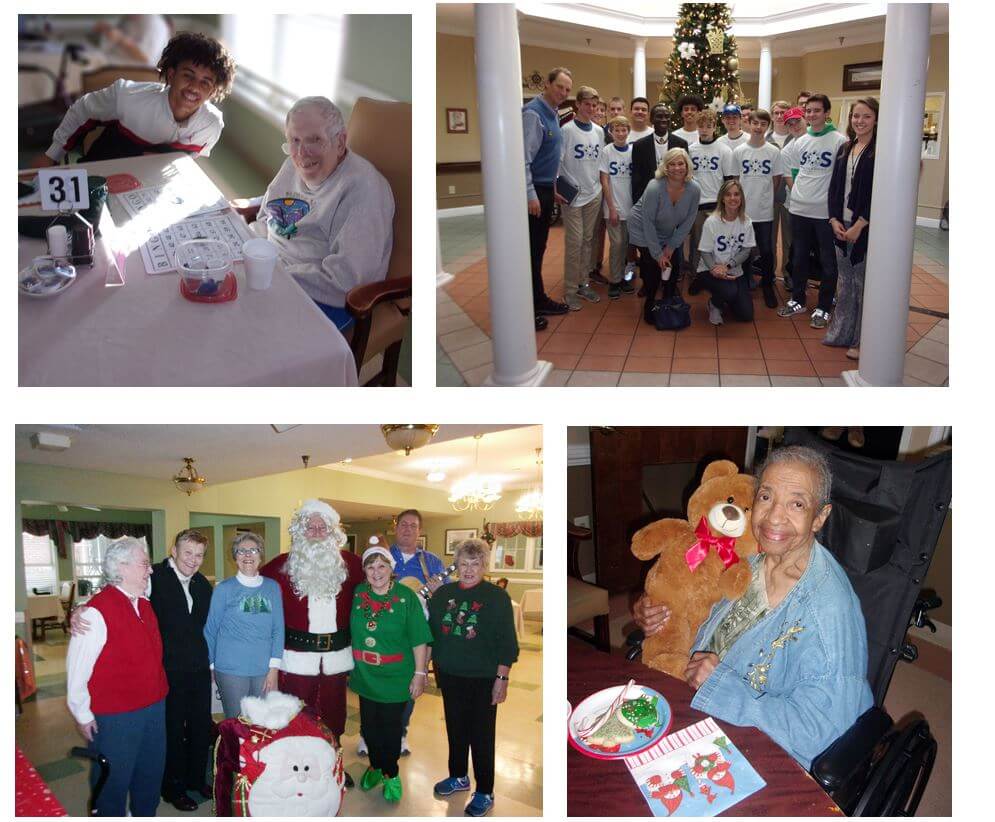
[316, 580]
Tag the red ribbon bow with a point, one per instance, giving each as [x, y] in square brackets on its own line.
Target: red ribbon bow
[725, 546]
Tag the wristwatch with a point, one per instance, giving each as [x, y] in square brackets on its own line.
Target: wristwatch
[502, 678]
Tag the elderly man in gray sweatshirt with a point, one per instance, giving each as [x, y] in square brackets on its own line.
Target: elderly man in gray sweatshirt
[328, 209]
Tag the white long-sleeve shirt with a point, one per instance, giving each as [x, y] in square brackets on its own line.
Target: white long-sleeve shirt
[142, 118]
[335, 236]
[84, 649]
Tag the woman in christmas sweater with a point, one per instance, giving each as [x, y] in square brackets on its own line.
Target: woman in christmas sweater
[474, 648]
[244, 628]
[390, 645]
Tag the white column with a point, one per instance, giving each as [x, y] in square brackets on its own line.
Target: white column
[893, 206]
[639, 68]
[502, 153]
[442, 277]
[763, 96]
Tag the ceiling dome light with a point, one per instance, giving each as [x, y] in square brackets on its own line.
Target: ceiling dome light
[408, 437]
[188, 480]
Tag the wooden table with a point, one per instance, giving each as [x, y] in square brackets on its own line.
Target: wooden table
[145, 333]
[598, 788]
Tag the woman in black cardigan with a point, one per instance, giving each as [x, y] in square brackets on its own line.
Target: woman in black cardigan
[850, 218]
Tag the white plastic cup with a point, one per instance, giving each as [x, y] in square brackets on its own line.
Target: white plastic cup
[58, 241]
[259, 255]
[665, 274]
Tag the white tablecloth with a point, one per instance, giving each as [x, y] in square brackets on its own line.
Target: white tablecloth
[146, 334]
[32, 87]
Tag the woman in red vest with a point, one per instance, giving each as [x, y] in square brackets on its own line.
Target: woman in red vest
[117, 686]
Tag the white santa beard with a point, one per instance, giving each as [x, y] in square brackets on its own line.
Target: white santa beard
[316, 569]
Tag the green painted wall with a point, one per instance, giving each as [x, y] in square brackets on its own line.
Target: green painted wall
[378, 53]
[220, 530]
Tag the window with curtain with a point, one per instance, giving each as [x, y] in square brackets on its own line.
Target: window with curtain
[285, 56]
[88, 555]
[41, 569]
[517, 553]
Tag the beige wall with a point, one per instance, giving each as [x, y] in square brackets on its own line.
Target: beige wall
[816, 71]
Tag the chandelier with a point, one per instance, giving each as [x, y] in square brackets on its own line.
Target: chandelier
[406, 438]
[529, 505]
[475, 492]
[188, 480]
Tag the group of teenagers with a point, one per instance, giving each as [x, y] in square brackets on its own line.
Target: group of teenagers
[149, 648]
[788, 176]
[328, 210]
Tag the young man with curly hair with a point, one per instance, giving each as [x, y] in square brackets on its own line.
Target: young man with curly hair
[177, 114]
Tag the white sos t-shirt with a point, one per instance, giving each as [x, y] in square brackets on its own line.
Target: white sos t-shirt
[617, 164]
[757, 168]
[710, 165]
[724, 240]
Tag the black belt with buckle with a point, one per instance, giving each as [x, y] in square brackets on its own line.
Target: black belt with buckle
[304, 641]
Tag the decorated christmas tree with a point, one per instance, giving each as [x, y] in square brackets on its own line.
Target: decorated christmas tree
[704, 60]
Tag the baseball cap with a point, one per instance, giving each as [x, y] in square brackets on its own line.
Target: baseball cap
[794, 114]
[731, 108]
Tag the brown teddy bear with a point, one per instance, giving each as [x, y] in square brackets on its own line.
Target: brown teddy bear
[700, 561]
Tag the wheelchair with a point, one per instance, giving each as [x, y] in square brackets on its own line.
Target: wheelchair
[883, 529]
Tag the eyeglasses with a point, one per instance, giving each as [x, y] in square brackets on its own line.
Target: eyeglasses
[309, 145]
[246, 552]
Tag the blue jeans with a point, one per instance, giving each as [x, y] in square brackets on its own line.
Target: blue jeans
[809, 233]
[340, 316]
[134, 743]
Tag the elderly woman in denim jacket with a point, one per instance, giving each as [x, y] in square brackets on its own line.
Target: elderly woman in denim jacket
[790, 655]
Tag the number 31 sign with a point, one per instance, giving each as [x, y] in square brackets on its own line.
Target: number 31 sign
[63, 189]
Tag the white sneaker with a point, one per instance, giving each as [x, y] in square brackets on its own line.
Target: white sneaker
[361, 749]
[405, 750]
[714, 314]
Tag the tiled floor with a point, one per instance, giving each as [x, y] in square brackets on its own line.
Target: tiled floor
[45, 732]
[608, 344]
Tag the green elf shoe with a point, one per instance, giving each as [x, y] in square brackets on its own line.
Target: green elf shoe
[392, 788]
[371, 778]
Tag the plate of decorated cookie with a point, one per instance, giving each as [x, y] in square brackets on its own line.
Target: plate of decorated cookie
[619, 721]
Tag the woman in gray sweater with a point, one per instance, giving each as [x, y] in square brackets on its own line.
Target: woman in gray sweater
[659, 223]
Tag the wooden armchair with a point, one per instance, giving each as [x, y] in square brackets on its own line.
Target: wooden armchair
[585, 601]
[381, 132]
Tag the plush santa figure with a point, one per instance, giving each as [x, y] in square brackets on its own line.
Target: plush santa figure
[317, 579]
[277, 759]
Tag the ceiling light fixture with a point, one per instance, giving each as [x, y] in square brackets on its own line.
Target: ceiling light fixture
[529, 505]
[408, 437]
[475, 492]
[435, 475]
[188, 480]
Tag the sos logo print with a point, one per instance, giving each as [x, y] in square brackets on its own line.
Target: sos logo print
[705, 163]
[756, 167]
[615, 168]
[733, 242]
[813, 159]
[582, 151]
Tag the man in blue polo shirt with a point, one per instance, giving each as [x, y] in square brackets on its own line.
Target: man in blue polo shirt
[410, 561]
[541, 132]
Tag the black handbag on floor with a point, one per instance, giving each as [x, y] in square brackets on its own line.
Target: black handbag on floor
[672, 314]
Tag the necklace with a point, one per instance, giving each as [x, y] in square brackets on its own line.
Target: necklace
[373, 608]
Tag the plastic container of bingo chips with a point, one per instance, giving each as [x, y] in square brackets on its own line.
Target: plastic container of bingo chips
[205, 269]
